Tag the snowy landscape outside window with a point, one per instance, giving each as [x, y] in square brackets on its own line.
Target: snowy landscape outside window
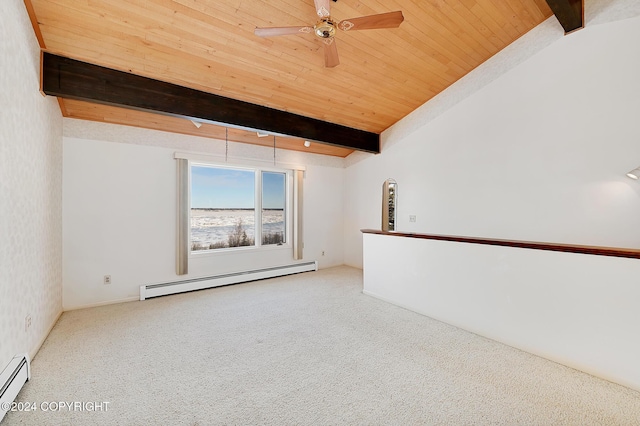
[273, 207]
[223, 212]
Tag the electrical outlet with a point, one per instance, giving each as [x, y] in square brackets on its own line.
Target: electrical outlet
[107, 279]
[27, 323]
[412, 218]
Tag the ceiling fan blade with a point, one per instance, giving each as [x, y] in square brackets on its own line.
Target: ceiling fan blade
[278, 31]
[323, 7]
[372, 22]
[330, 53]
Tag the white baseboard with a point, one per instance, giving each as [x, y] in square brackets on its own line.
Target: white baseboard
[34, 351]
[94, 305]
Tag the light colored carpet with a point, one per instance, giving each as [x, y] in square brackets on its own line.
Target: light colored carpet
[308, 349]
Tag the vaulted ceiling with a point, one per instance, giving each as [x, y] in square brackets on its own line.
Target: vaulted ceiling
[210, 46]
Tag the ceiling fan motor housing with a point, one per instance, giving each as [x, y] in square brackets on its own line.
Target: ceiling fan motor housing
[325, 28]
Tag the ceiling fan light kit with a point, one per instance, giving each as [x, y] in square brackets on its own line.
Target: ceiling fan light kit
[325, 28]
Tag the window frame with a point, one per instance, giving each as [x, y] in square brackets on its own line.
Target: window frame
[258, 207]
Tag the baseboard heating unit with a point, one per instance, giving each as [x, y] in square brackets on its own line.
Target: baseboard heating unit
[155, 290]
[12, 378]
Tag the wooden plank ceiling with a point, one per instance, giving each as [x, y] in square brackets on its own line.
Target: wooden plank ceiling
[209, 45]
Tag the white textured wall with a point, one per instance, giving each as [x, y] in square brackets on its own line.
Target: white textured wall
[120, 210]
[539, 152]
[30, 191]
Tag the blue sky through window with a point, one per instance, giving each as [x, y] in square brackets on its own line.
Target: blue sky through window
[273, 190]
[221, 188]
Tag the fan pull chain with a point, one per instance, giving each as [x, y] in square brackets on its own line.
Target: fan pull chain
[274, 150]
[226, 144]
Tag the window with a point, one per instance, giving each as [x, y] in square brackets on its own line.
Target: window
[273, 208]
[241, 209]
[223, 211]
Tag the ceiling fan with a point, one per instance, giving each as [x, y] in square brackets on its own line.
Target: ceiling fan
[326, 26]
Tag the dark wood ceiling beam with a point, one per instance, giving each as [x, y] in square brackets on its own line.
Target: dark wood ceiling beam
[69, 78]
[570, 13]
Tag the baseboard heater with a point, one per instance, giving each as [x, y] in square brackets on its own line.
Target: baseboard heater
[155, 290]
[12, 378]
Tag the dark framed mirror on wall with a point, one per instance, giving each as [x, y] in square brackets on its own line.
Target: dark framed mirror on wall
[389, 204]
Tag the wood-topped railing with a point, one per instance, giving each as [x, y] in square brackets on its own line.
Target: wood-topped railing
[570, 248]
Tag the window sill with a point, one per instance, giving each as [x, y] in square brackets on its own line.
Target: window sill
[237, 251]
